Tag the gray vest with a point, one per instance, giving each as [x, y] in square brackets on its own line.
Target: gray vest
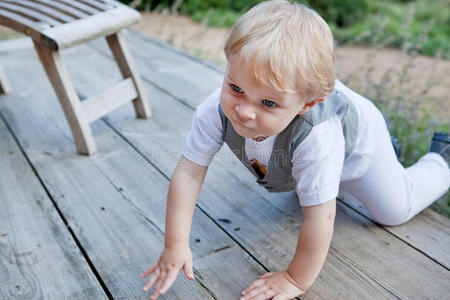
[279, 170]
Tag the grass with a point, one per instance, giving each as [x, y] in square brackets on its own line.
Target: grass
[434, 18]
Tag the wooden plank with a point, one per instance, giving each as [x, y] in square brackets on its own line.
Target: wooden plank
[29, 13]
[100, 105]
[128, 69]
[352, 270]
[429, 232]
[62, 85]
[65, 9]
[125, 236]
[164, 135]
[91, 27]
[97, 4]
[174, 72]
[79, 6]
[53, 13]
[20, 24]
[38, 257]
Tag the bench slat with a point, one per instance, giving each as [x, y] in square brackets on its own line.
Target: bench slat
[76, 13]
[102, 104]
[20, 23]
[84, 30]
[97, 4]
[80, 6]
[52, 13]
[29, 13]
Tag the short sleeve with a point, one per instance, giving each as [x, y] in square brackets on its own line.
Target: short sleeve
[205, 137]
[317, 163]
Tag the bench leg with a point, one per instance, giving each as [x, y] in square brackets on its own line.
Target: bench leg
[64, 89]
[123, 58]
[5, 87]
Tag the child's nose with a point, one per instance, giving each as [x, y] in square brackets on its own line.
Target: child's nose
[245, 112]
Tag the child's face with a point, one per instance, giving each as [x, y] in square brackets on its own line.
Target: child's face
[254, 111]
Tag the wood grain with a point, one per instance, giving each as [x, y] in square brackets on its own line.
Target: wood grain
[38, 257]
[118, 219]
[376, 238]
[62, 85]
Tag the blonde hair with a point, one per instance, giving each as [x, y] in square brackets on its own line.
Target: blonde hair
[287, 46]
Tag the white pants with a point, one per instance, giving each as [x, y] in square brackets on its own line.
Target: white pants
[393, 194]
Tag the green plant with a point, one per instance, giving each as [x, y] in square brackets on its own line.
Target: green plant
[342, 13]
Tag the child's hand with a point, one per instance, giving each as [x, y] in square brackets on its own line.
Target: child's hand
[165, 271]
[274, 285]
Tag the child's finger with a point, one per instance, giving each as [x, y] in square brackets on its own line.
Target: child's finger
[168, 281]
[149, 270]
[255, 292]
[155, 295]
[255, 284]
[151, 281]
[188, 272]
[156, 291]
[266, 294]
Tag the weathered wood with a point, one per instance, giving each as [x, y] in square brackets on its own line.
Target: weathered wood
[249, 208]
[429, 232]
[52, 13]
[165, 155]
[174, 73]
[80, 6]
[98, 106]
[100, 5]
[126, 65]
[21, 24]
[118, 219]
[365, 261]
[31, 18]
[5, 86]
[83, 30]
[59, 78]
[38, 257]
[66, 9]
[29, 13]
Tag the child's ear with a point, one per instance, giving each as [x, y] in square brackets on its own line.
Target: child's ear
[310, 105]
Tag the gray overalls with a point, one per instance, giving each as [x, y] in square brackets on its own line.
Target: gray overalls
[279, 171]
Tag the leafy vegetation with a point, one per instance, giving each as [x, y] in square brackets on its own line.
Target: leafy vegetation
[352, 21]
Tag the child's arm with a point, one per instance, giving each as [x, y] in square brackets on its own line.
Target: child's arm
[312, 248]
[184, 188]
[313, 243]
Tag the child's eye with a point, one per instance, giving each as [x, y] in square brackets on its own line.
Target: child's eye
[269, 103]
[236, 89]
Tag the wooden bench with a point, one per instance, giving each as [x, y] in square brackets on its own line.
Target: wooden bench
[55, 25]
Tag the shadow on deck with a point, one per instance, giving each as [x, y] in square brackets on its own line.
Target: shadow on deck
[86, 227]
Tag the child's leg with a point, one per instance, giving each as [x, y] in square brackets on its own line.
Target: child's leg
[393, 194]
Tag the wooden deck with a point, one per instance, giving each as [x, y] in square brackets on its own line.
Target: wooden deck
[85, 227]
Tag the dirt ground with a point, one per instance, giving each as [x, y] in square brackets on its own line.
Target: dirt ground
[207, 42]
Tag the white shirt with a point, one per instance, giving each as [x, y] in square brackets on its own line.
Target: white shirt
[318, 164]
